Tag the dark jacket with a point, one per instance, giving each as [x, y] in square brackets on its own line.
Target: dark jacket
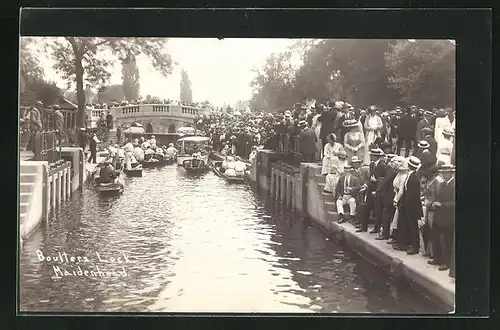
[82, 139]
[327, 120]
[106, 175]
[445, 214]
[354, 184]
[410, 201]
[407, 127]
[386, 191]
[433, 144]
[307, 142]
[379, 172]
[421, 124]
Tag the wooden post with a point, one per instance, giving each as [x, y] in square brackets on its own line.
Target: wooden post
[63, 184]
[53, 191]
[46, 199]
[283, 187]
[273, 182]
[68, 183]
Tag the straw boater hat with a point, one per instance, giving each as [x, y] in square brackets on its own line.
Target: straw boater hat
[376, 152]
[398, 110]
[350, 123]
[448, 132]
[423, 144]
[332, 136]
[414, 163]
[288, 113]
[355, 159]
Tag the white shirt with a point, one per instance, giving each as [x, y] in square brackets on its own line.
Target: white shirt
[121, 153]
[139, 154]
[171, 151]
[239, 166]
[149, 152]
[129, 147]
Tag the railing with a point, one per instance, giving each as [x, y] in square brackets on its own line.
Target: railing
[46, 147]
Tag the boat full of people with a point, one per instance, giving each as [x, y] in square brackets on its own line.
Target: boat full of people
[231, 169]
[106, 179]
[190, 145]
[196, 164]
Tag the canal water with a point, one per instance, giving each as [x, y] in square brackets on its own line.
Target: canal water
[196, 244]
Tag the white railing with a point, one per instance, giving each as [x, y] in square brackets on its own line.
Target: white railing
[144, 110]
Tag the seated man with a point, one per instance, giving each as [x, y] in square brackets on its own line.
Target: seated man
[253, 154]
[171, 151]
[148, 153]
[346, 192]
[138, 154]
[239, 167]
[107, 174]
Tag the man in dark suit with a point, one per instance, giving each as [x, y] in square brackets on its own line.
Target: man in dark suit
[386, 192]
[395, 119]
[346, 192]
[444, 219]
[424, 122]
[307, 142]
[406, 132]
[378, 171]
[327, 120]
[428, 134]
[411, 211]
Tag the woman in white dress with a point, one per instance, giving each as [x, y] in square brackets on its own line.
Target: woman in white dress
[445, 148]
[316, 126]
[442, 123]
[335, 171]
[354, 141]
[332, 149]
[399, 163]
[373, 126]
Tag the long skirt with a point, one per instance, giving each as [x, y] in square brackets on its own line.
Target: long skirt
[331, 182]
[327, 165]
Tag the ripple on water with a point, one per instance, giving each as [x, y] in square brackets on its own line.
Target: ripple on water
[196, 237]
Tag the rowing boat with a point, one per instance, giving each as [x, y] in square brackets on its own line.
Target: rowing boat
[216, 168]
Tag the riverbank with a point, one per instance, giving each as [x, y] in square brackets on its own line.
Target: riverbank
[302, 189]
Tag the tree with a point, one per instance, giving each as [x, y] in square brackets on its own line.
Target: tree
[186, 92]
[108, 94]
[102, 129]
[423, 72]
[29, 65]
[82, 59]
[273, 85]
[130, 76]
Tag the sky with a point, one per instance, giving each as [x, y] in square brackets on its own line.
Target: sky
[219, 70]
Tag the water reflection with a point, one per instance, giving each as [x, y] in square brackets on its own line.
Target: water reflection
[197, 243]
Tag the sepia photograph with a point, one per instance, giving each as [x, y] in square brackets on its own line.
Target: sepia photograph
[243, 175]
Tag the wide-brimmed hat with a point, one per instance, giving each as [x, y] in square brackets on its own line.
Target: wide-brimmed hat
[232, 137]
[446, 168]
[376, 152]
[288, 113]
[399, 163]
[170, 144]
[423, 144]
[338, 105]
[302, 123]
[332, 136]
[372, 108]
[152, 136]
[428, 113]
[413, 162]
[342, 154]
[355, 159]
[448, 132]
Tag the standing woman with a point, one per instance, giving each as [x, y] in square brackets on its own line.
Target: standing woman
[316, 126]
[332, 149]
[354, 140]
[399, 164]
[335, 171]
[373, 125]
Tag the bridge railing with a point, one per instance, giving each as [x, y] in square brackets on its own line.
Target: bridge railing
[156, 110]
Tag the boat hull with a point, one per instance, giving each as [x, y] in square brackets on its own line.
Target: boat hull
[215, 166]
[195, 166]
[135, 172]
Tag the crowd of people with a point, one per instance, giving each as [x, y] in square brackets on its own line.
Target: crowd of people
[104, 105]
[395, 168]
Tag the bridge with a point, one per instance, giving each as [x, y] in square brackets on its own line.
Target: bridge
[159, 118]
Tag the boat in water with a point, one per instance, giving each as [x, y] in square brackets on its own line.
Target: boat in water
[152, 162]
[135, 171]
[189, 145]
[216, 166]
[195, 165]
[111, 188]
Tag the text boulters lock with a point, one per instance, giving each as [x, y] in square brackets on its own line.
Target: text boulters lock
[72, 265]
